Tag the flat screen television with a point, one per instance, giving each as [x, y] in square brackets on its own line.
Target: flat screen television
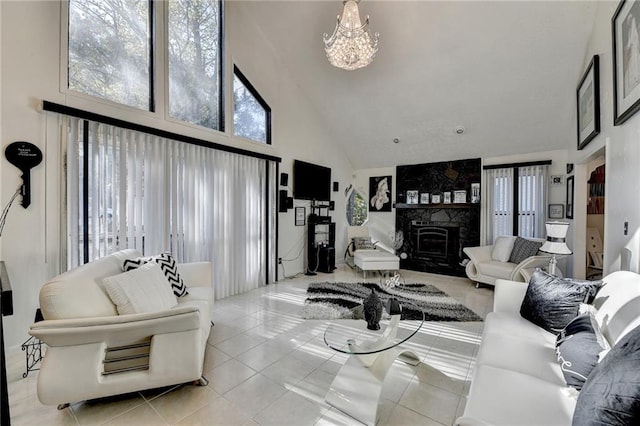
[311, 182]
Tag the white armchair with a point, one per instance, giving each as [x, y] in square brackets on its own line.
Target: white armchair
[94, 352]
[484, 267]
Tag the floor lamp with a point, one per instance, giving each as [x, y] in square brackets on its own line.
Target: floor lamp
[556, 243]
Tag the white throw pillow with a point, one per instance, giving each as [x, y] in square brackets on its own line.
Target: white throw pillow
[502, 248]
[144, 289]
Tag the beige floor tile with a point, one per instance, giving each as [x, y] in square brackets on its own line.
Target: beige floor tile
[98, 411]
[29, 411]
[239, 344]
[430, 401]
[290, 409]
[228, 375]
[254, 394]
[287, 371]
[218, 412]
[142, 415]
[401, 416]
[213, 357]
[183, 401]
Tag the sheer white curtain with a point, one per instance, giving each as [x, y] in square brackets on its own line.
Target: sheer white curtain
[532, 200]
[498, 203]
[156, 194]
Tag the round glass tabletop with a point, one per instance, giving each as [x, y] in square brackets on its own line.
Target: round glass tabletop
[353, 337]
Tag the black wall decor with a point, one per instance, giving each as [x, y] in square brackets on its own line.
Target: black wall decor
[25, 156]
[335, 187]
[284, 179]
[435, 234]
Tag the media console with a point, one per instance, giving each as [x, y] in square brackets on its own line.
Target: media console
[321, 241]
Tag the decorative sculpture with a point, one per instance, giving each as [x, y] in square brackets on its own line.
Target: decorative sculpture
[372, 311]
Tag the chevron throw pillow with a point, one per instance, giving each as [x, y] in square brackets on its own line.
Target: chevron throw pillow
[169, 267]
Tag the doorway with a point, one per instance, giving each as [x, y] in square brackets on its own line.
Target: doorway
[596, 172]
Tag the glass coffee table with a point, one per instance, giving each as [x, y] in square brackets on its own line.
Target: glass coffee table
[357, 386]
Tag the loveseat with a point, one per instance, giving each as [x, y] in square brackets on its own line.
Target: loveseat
[517, 379]
[490, 263]
[93, 351]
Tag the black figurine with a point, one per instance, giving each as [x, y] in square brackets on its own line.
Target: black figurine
[372, 311]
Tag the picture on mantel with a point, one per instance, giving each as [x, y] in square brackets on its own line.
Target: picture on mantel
[380, 193]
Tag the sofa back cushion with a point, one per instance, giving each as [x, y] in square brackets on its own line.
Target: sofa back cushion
[617, 304]
[80, 292]
[502, 248]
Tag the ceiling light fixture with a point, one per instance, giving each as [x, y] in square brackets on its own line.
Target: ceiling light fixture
[351, 46]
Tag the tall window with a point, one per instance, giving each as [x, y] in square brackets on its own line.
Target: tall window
[516, 201]
[251, 114]
[195, 62]
[110, 50]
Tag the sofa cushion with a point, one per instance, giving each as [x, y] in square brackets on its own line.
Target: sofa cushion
[497, 269]
[502, 248]
[523, 248]
[140, 290]
[578, 349]
[169, 268]
[551, 302]
[504, 397]
[611, 394]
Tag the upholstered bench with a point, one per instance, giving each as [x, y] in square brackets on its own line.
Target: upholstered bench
[376, 260]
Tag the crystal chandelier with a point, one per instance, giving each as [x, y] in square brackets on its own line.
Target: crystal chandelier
[351, 46]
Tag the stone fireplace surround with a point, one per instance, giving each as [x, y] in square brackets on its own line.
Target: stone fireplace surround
[435, 234]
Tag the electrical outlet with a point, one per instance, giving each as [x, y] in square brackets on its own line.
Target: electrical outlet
[626, 228]
[279, 261]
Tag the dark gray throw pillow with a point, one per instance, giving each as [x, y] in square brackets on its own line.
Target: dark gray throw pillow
[611, 394]
[523, 248]
[578, 346]
[551, 302]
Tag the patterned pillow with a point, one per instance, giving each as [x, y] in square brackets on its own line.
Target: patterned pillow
[523, 248]
[362, 243]
[169, 267]
[579, 347]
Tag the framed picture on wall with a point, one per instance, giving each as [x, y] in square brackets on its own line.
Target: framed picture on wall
[446, 197]
[380, 194]
[569, 197]
[412, 197]
[588, 104]
[556, 211]
[424, 198]
[300, 217]
[626, 60]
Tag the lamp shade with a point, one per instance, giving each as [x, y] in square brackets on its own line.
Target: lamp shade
[556, 238]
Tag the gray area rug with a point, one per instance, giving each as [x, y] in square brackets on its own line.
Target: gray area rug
[343, 300]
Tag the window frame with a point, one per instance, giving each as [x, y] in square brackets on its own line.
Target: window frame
[159, 75]
[254, 92]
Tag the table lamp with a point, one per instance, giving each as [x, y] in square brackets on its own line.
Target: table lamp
[556, 243]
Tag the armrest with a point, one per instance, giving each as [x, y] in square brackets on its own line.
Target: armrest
[117, 328]
[196, 274]
[508, 295]
[479, 254]
[529, 263]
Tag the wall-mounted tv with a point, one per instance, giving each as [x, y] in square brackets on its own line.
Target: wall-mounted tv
[311, 182]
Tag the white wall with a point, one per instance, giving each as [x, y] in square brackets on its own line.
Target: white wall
[30, 54]
[622, 188]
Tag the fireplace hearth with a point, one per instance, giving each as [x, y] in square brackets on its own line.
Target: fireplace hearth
[438, 243]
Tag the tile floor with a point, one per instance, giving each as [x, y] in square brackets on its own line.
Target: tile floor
[267, 366]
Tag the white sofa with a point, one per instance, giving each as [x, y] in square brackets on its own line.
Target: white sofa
[94, 352]
[517, 379]
[483, 268]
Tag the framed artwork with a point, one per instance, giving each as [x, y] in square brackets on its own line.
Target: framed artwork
[570, 197]
[557, 180]
[412, 197]
[424, 198]
[626, 60]
[446, 197]
[588, 104]
[475, 192]
[300, 216]
[435, 199]
[556, 211]
[380, 194]
[459, 197]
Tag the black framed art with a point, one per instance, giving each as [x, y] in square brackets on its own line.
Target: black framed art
[569, 197]
[588, 104]
[380, 194]
[626, 60]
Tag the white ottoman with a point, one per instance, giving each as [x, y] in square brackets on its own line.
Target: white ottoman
[376, 260]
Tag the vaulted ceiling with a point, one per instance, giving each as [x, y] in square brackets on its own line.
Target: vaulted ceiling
[505, 70]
